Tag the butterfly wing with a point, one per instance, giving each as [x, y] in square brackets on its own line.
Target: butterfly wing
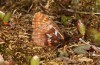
[45, 31]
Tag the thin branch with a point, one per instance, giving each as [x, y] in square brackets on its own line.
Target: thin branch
[73, 11]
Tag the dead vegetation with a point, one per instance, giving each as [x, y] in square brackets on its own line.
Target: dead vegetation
[16, 39]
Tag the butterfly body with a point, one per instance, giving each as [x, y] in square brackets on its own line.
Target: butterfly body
[45, 31]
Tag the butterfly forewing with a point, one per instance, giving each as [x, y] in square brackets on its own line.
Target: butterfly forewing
[45, 31]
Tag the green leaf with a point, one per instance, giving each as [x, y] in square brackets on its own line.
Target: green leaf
[97, 2]
[7, 17]
[64, 19]
[28, 58]
[2, 15]
[94, 36]
[35, 60]
[82, 49]
[81, 27]
[97, 6]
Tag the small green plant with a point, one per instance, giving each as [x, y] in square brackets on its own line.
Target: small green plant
[82, 49]
[2, 14]
[6, 18]
[35, 60]
[81, 27]
[65, 19]
[94, 36]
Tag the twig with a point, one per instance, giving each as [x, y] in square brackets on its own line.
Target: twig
[30, 8]
[73, 11]
[84, 41]
[93, 13]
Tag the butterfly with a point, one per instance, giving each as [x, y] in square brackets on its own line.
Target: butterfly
[45, 31]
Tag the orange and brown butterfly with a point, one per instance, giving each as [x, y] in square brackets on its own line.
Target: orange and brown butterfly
[45, 31]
